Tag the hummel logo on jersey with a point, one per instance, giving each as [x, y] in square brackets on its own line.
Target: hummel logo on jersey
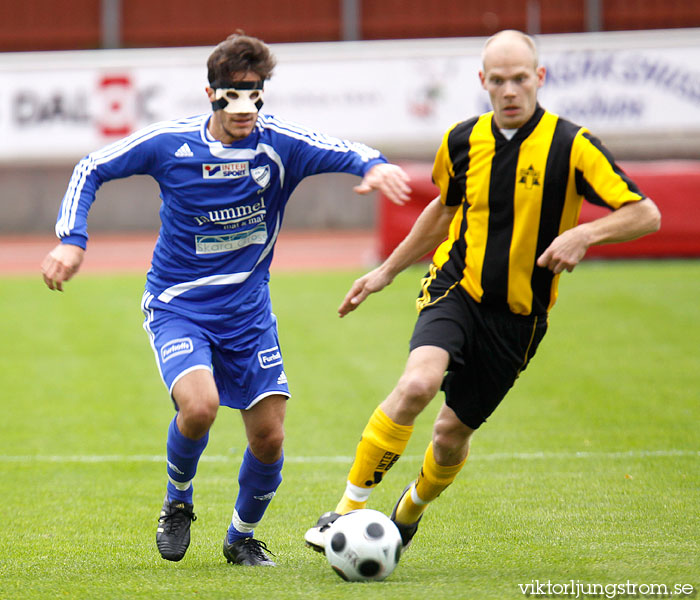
[184, 151]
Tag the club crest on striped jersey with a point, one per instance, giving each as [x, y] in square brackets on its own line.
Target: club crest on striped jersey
[530, 177]
[230, 170]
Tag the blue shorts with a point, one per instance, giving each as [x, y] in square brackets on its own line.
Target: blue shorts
[242, 351]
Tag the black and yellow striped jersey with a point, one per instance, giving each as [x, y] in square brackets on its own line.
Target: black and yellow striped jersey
[516, 196]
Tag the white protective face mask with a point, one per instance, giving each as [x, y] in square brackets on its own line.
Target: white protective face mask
[238, 96]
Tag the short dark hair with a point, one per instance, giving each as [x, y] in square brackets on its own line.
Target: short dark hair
[239, 53]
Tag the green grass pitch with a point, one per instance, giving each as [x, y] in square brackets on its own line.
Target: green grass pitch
[588, 472]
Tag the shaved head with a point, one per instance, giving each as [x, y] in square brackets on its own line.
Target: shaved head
[511, 75]
[509, 40]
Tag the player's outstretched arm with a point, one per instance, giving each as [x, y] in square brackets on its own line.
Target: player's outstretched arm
[61, 264]
[428, 231]
[628, 222]
[390, 180]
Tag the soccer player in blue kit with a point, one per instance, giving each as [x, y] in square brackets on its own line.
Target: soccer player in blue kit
[225, 179]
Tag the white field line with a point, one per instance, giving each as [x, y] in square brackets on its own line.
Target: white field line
[498, 456]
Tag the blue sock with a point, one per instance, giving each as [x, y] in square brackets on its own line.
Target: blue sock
[257, 484]
[183, 456]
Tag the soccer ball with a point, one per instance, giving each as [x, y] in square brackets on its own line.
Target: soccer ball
[363, 545]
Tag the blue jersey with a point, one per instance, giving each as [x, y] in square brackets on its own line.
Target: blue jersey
[222, 204]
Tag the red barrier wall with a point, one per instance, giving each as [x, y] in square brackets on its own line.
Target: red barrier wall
[673, 185]
[76, 24]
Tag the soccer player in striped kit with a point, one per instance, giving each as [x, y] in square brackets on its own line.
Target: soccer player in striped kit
[511, 185]
[225, 179]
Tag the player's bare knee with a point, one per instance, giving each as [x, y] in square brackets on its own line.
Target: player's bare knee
[418, 388]
[408, 399]
[199, 416]
[267, 447]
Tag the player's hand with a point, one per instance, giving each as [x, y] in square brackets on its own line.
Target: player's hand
[565, 251]
[374, 281]
[390, 180]
[61, 264]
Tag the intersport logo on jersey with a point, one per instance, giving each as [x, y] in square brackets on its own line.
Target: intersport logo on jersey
[231, 170]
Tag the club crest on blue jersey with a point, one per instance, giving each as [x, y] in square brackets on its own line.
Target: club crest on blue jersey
[261, 175]
[231, 170]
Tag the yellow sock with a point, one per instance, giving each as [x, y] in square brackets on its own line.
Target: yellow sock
[408, 511]
[381, 444]
[346, 505]
[433, 479]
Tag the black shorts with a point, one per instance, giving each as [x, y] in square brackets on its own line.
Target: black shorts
[488, 347]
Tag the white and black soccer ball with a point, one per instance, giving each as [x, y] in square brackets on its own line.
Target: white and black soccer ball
[363, 545]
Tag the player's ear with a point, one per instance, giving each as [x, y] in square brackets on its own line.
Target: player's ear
[211, 94]
[541, 75]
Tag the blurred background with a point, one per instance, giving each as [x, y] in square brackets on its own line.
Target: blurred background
[78, 74]
[90, 24]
